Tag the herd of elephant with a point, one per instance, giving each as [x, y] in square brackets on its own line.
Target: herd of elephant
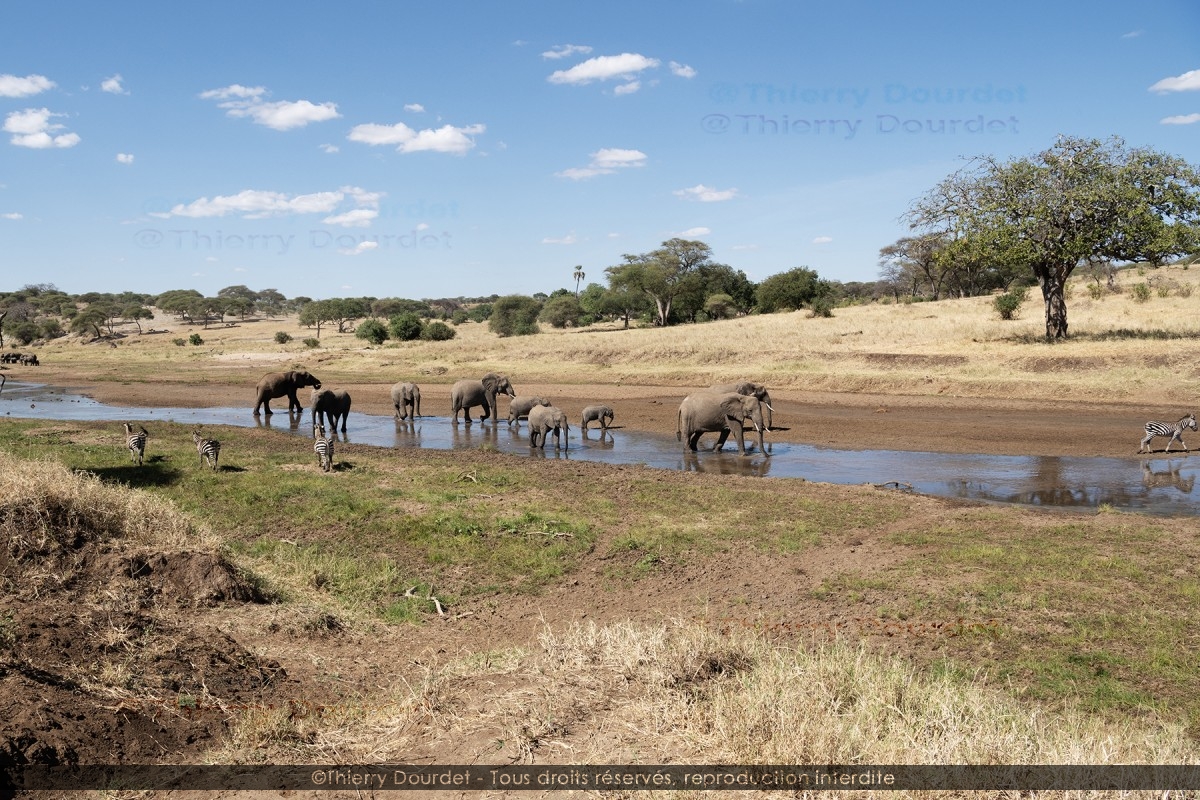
[25, 359]
[722, 409]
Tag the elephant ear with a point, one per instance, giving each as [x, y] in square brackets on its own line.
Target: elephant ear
[491, 382]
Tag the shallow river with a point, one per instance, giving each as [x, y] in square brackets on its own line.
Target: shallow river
[1161, 485]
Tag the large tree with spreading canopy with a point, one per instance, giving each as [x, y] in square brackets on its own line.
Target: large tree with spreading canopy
[1080, 201]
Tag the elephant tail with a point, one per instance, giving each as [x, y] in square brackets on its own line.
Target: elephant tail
[679, 426]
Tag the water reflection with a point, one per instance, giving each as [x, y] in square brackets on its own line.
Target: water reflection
[1155, 485]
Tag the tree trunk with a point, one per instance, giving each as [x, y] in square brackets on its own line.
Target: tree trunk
[1052, 280]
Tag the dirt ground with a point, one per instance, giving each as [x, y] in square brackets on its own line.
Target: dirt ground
[933, 423]
[223, 648]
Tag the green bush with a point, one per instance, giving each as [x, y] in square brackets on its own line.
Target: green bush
[438, 332]
[311, 342]
[282, 337]
[1096, 291]
[372, 330]
[24, 332]
[179, 341]
[195, 339]
[1140, 292]
[515, 315]
[405, 327]
[1008, 305]
[460, 316]
[821, 307]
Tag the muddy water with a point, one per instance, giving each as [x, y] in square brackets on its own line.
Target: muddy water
[1161, 485]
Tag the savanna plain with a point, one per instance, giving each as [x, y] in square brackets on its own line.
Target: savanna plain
[474, 607]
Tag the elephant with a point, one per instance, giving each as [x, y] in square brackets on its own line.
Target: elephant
[328, 405]
[719, 411]
[465, 394]
[519, 407]
[601, 414]
[749, 389]
[543, 420]
[278, 384]
[406, 398]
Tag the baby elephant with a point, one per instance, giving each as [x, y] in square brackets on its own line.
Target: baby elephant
[406, 398]
[602, 414]
[519, 407]
[543, 420]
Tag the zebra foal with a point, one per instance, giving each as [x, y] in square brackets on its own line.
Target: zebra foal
[209, 449]
[1167, 429]
[323, 447]
[136, 442]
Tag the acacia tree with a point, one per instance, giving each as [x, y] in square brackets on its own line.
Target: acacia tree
[1081, 201]
[661, 274]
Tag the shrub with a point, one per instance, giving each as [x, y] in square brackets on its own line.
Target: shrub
[459, 316]
[311, 342]
[405, 327]
[1008, 305]
[24, 332]
[282, 337]
[821, 307]
[50, 329]
[372, 330]
[438, 332]
[1096, 291]
[515, 315]
[195, 339]
[1140, 292]
[179, 341]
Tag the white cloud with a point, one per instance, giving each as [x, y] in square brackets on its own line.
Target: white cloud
[422, 226]
[745, 247]
[358, 250]
[255, 204]
[564, 50]
[113, 85]
[682, 70]
[604, 162]
[416, 108]
[330, 148]
[12, 86]
[627, 88]
[706, 194]
[124, 158]
[283, 115]
[1187, 82]
[604, 68]
[568, 239]
[822, 240]
[13, 215]
[355, 218]
[1132, 34]
[692, 232]
[1182, 119]
[32, 128]
[446, 139]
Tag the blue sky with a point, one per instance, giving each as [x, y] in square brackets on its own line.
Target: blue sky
[461, 148]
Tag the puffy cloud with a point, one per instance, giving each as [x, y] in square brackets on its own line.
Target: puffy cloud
[693, 232]
[416, 108]
[124, 158]
[358, 250]
[682, 70]
[13, 86]
[12, 215]
[446, 139]
[33, 128]
[604, 68]
[330, 148]
[604, 162]
[283, 115]
[355, 218]
[822, 240]
[564, 50]
[706, 194]
[113, 85]
[1187, 82]
[1182, 119]
[627, 88]
[256, 204]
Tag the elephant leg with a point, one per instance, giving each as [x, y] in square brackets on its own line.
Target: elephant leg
[693, 440]
[721, 440]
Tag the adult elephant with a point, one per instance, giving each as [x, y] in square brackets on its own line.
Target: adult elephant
[705, 412]
[279, 384]
[750, 389]
[546, 419]
[465, 394]
[406, 398]
[519, 408]
[330, 405]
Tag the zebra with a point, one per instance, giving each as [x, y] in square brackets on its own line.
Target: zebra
[209, 449]
[136, 442]
[1167, 429]
[323, 447]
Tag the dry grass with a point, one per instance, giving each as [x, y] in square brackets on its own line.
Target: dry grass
[681, 693]
[959, 347]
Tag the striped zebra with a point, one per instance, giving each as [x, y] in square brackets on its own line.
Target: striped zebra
[209, 449]
[136, 442]
[1167, 429]
[323, 447]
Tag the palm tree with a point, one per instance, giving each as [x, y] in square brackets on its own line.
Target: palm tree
[579, 275]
